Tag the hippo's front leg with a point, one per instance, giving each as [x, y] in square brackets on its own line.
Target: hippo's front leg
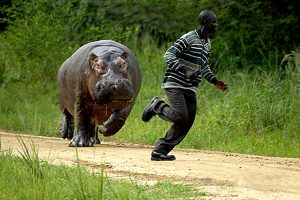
[115, 122]
[84, 132]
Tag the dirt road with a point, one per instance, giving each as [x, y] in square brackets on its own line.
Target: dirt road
[221, 175]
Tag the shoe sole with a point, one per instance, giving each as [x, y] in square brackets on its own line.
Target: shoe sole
[160, 159]
[144, 118]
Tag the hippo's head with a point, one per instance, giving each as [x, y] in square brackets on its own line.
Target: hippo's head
[113, 80]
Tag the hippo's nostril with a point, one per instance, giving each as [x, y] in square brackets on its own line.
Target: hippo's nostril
[114, 87]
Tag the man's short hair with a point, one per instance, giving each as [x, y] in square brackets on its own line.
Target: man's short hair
[204, 16]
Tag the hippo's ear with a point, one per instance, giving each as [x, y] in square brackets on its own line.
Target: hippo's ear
[93, 57]
[124, 55]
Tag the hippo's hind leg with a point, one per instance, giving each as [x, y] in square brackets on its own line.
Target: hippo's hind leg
[66, 125]
[84, 131]
[115, 122]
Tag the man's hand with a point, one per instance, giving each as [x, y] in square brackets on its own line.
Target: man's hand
[193, 75]
[221, 85]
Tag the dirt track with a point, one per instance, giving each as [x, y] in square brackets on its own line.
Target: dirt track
[221, 175]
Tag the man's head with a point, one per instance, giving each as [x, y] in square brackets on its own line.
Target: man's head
[208, 21]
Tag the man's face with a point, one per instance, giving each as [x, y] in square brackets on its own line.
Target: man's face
[211, 25]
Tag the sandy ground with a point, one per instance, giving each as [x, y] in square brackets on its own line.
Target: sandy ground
[221, 175]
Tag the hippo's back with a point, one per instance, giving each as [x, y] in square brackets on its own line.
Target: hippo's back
[79, 61]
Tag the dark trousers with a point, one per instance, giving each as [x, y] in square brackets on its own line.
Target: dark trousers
[181, 112]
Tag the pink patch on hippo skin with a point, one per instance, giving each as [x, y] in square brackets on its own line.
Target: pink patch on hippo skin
[97, 71]
[98, 67]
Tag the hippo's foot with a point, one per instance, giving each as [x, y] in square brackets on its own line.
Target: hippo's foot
[79, 141]
[66, 127]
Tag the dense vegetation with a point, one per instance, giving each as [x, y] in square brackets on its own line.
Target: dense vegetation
[256, 51]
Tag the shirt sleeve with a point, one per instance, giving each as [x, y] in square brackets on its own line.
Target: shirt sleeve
[208, 74]
[172, 54]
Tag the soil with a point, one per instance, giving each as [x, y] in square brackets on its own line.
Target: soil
[220, 175]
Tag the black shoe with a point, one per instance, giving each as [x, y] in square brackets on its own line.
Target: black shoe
[149, 112]
[155, 156]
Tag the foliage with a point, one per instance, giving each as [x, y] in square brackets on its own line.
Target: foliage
[4, 15]
[251, 32]
[160, 19]
[45, 35]
[255, 33]
[252, 25]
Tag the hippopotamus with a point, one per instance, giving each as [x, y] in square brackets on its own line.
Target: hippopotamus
[98, 86]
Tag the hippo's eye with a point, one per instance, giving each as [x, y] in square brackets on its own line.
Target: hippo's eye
[98, 67]
[121, 62]
[123, 66]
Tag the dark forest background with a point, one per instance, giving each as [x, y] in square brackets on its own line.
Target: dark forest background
[251, 32]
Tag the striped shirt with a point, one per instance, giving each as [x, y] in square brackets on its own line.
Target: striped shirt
[188, 54]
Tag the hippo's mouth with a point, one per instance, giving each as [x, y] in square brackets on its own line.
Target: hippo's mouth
[109, 99]
[115, 104]
[122, 101]
[114, 93]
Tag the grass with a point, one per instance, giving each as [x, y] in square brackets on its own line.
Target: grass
[26, 109]
[31, 178]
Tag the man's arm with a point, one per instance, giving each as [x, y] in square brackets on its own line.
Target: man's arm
[210, 77]
[171, 55]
